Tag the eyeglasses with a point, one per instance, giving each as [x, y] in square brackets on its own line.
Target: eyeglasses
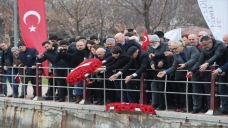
[173, 49]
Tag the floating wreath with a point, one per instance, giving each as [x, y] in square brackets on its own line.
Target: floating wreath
[132, 107]
[84, 69]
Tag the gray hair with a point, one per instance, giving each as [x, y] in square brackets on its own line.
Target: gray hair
[178, 42]
[110, 40]
[134, 38]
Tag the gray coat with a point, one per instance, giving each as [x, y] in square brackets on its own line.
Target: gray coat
[161, 49]
[191, 55]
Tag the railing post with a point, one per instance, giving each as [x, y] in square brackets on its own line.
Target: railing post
[1, 79]
[214, 91]
[143, 88]
[38, 82]
[86, 95]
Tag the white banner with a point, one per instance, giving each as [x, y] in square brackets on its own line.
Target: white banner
[215, 12]
[174, 34]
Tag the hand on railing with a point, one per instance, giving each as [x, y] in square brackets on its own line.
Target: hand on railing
[153, 67]
[128, 78]
[113, 77]
[100, 69]
[181, 66]
[161, 74]
[203, 67]
[216, 72]
[5, 67]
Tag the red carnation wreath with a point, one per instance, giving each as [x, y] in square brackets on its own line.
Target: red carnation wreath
[146, 109]
[84, 69]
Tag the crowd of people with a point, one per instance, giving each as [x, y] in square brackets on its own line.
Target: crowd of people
[193, 53]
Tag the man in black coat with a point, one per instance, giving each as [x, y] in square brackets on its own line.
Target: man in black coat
[125, 44]
[104, 54]
[212, 52]
[78, 58]
[156, 46]
[50, 55]
[140, 62]
[28, 58]
[7, 63]
[121, 59]
[67, 54]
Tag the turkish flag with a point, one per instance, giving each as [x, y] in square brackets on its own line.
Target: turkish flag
[33, 25]
[145, 41]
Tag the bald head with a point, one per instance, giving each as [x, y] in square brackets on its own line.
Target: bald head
[119, 38]
[225, 39]
[201, 33]
[80, 45]
[193, 39]
[100, 52]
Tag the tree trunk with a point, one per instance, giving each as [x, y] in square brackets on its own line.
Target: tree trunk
[146, 9]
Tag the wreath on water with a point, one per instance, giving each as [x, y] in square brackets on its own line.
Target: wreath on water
[84, 69]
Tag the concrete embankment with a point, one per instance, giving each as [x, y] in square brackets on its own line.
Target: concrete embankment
[17, 113]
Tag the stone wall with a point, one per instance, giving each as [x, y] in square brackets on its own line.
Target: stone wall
[35, 114]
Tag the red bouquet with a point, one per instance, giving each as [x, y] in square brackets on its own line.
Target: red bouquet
[146, 109]
[84, 69]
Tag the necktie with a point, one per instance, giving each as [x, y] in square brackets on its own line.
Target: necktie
[183, 57]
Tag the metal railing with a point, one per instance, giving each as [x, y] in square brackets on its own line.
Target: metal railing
[142, 90]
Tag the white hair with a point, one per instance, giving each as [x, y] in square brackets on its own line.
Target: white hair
[134, 38]
[178, 42]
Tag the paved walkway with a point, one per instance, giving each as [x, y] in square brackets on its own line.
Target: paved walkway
[29, 90]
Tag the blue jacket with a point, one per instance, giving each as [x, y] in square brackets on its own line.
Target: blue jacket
[224, 68]
[128, 44]
[28, 58]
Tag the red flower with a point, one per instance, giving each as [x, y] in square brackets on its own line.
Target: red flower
[147, 109]
[123, 108]
[199, 47]
[86, 67]
[188, 76]
[107, 108]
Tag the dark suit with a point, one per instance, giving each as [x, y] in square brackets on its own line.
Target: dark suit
[140, 63]
[110, 95]
[191, 54]
[206, 56]
[50, 55]
[69, 58]
[127, 44]
[223, 88]
[118, 63]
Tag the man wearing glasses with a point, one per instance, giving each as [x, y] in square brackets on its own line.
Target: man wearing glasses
[212, 52]
[184, 58]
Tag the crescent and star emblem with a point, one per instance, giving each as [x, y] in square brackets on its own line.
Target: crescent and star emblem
[145, 39]
[28, 13]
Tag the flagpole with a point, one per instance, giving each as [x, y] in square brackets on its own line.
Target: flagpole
[15, 23]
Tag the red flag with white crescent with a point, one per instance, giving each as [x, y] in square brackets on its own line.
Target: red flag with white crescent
[33, 24]
[145, 42]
